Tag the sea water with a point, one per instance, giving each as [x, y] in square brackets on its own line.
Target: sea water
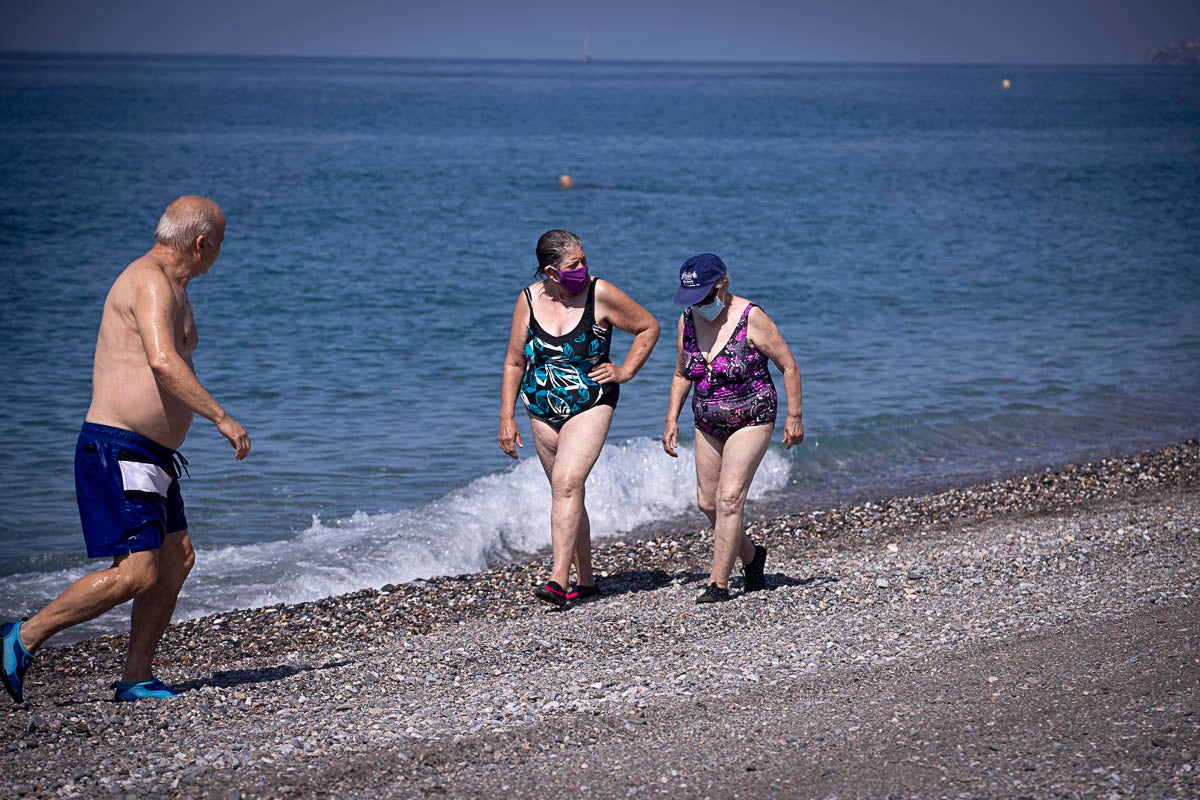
[975, 281]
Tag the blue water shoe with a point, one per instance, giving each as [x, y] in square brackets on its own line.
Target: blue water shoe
[16, 660]
[153, 689]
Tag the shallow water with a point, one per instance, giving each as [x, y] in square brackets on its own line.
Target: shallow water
[974, 281]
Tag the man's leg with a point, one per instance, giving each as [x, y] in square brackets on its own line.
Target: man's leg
[153, 608]
[92, 595]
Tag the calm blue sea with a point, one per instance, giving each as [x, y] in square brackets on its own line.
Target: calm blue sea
[975, 281]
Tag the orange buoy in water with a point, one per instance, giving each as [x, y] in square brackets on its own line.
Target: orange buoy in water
[565, 182]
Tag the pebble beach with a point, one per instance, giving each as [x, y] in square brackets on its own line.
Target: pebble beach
[1031, 637]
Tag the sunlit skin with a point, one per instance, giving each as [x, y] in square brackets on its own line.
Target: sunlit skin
[143, 381]
[568, 454]
[725, 470]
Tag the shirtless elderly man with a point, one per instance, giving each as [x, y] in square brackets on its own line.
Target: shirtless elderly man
[144, 397]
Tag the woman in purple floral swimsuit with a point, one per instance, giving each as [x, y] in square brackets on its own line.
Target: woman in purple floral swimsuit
[724, 344]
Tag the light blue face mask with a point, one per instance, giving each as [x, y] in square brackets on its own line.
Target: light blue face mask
[711, 310]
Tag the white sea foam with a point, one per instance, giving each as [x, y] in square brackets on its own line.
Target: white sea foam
[492, 518]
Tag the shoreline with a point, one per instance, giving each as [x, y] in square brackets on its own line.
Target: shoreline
[1037, 492]
[686, 523]
[461, 685]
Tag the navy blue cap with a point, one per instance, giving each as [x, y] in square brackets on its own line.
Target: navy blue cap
[697, 277]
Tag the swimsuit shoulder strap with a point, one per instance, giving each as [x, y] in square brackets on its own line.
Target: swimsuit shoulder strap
[589, 305]
[689, 330]
[533, 327]
[743, 320]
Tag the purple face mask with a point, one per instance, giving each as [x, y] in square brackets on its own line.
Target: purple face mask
[575, 280]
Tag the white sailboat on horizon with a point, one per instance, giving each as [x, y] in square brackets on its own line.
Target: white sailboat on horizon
[587, 47]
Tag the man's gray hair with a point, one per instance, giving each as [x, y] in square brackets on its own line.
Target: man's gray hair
[186, 218]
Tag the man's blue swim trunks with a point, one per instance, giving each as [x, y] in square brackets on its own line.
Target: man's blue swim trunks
[128, 491]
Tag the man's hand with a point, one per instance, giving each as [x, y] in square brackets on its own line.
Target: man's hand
[236, 435]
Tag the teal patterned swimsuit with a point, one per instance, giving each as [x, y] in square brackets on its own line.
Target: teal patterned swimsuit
[556, 385]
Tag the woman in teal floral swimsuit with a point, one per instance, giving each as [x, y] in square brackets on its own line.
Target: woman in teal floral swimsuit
[556, 385]
[558, 363]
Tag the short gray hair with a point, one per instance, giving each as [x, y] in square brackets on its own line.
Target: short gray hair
[553, 246]
[185, 219]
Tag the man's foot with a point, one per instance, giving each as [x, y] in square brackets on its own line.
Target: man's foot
[16, 660]
[713, 594]
[551, 593]
[152, 689]
[754, 570]
[582, 592]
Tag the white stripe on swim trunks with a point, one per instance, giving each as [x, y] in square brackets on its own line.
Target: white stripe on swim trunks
[140, 477]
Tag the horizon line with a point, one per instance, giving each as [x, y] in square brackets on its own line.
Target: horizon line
[563, 60]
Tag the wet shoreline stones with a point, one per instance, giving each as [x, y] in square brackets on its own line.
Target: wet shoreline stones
[452, 686]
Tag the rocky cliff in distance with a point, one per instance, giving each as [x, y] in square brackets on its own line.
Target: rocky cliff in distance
[1177, 53]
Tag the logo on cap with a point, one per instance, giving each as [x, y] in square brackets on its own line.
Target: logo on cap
[690, 279]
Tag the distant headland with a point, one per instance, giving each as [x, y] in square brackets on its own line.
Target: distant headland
[1177, 53]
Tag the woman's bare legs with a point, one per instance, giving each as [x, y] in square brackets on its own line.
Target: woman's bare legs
[568, 455]
[724, 472]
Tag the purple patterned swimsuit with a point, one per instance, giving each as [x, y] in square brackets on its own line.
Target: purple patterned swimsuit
[733, 392]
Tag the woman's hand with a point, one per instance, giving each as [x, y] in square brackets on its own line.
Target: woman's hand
[510, 382]
[618, 309]
[510, 437]
[765, 337]
[670, 439]
[609, 372]
[793, 431]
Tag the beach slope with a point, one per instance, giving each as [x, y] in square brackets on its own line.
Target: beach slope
[1036, 637]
